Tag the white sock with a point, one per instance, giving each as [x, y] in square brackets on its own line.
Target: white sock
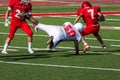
[5, 47]
[29, 45]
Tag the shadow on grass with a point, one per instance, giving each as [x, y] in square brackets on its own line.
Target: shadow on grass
[23, 56]
[47, 54]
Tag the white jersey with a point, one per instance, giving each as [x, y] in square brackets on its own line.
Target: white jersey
[59, 33]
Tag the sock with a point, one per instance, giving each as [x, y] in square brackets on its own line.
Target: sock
[5, 47]
[29, 45]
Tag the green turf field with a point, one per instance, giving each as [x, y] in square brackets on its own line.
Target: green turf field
[62, 63]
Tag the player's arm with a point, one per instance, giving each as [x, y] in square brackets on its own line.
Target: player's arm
[7, 16]
[33, 20]
[77, 18]
[76, 47]
[101, 17]
[79, 15]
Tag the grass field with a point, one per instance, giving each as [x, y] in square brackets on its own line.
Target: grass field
[62, 63]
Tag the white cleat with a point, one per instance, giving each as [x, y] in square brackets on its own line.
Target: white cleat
[30, 51]
[86, 47]
[36, 29]
[4, 52]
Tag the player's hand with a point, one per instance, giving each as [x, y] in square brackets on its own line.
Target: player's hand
[35, 28]
[7, 22]
[21, 14]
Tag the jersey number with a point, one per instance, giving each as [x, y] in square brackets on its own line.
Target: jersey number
[16, 15]
[91, 11]
[70, 31]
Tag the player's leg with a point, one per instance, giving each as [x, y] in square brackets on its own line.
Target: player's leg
[25, 27]
[13, 29]
[86, 45]
[98, 37]
[87, 30]
[34, 21]
[50, 43]
[49, 29]
[4, 50]
[54, 40]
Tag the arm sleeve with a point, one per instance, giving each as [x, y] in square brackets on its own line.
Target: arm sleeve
[11, 3]
[79, 12]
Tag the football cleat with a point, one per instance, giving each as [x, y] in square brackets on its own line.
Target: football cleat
[36, 29]
[30, 51]
[104, 46]
[4, 52]
[50, 40]
[86, 47]
[50, 43]
[49, 49]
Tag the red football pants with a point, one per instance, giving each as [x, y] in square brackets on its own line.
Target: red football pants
[22, 25]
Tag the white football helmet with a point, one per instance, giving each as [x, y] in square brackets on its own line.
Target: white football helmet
[79, 27]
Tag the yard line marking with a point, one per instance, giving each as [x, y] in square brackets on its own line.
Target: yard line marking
[113, 19]
[17, 47]
[48, 36]
[115, 45]
[20, 34]
[62, 51]
[105, 39]
[61, 66]
[10, 49]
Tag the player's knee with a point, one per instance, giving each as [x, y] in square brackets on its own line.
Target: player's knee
[96, 35]
[11, 37]
[30, 33]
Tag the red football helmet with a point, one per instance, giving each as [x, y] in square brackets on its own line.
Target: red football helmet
[24, 1]
[86, 4]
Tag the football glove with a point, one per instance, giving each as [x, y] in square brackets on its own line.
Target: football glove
[7, 22]
[27, 15]
[20, 14]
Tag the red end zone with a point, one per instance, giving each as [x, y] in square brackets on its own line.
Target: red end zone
[67, 14]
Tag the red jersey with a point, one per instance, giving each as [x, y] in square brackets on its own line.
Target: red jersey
[16, 8]
[89, 15]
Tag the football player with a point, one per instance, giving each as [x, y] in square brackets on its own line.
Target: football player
[17, 7]
[91, 16]
[58, 33]
[67, 32]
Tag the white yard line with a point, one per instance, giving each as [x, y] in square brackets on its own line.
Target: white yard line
[14, 48]
[61, 66]
[115, 45]
[114, 40]
[10, 49]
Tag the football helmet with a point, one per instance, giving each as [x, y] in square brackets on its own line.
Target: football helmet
[79, 27]
[86, 4]
[25, 1]
[68, 23]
